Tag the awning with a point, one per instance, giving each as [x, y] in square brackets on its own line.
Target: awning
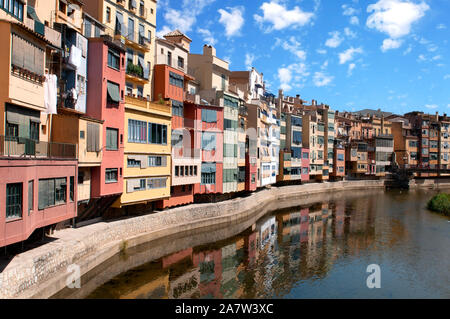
[209, 168]
[32, 14]
[113, 92]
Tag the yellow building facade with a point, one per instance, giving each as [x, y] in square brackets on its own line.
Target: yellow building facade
[147, 152]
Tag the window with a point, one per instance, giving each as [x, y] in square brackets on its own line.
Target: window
[191, 170]
[169, 58]
[177, 170]
[157, 161]
[195, 170]
[177, 108]
[27, 55]
[176, 80]
[180, 62]
[108, 14]
[296, 121]
[157, 133]
[149, 36]
[208, 141]
[186, 171]
[30, 196]
[133, 163]
[112, 140]
[296, 152]
[208, 178]
[154, 183]
[113, 59]
[209, 116]
[111, 175]
[140, 91]
[130, 56]
[130, 29]
[129, 88]
[14, 200]
[224, 79]
[52, 192]
[305, 170]
[340, 157]
[72, 188]
[297, 137]
[13, 7]
[93, 138]
[137, 131]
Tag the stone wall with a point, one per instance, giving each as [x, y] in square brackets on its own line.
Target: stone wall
[42, 272]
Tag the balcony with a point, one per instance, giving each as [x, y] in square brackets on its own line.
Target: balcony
[130, 38]
[136, 73]
[172, 62]
[142, 104]
[19, 147]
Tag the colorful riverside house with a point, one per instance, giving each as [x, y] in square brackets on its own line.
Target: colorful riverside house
[406, 145]
[213, 75]
[171, 82]
[147, 154]
[314, 140]
[37, 176]
[284, 174]
[338, 172]
[205, 124]
[444, 142]
[249, 85]
[101, 128]
[294, 142]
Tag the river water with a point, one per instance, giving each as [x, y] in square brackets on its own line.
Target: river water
[317, 250]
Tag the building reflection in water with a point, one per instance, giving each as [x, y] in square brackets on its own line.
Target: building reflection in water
[281, 251]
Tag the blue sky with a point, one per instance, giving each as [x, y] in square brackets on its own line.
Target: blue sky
[350, 54]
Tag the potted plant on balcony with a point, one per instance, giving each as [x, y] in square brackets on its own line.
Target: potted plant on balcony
[134, 69]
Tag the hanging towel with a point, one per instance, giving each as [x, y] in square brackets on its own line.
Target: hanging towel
[50, 93]
[75, 56]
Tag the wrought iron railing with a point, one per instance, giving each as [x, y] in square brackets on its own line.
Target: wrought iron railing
[11, 146]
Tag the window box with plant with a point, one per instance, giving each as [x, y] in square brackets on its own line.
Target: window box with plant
[135, 70]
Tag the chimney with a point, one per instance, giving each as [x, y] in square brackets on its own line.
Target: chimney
[437, 116]
[209, 50]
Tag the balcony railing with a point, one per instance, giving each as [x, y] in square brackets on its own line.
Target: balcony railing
[20, 147]
[174, 63]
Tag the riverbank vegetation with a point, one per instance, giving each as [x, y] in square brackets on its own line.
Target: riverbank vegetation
[440, 204]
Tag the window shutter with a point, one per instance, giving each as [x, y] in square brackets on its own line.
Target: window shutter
[96, 129]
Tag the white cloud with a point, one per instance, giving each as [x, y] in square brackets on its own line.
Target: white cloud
[441, 26]
[249, 58]
[185, 16]
[408, 50]
[280, 17]
[354, 20]
[335, 39]
[293, 46]
[232, 20]
[351, 67]
[389, 44]
[431, 106]
[324, 65]
[349, 11]
[207, 36]
[321, 51]
[349, 33]
[348, 55]
[294, 73]
[436, 57]
[321, 79]
[163, 31]
[395, 17]
[447, 76]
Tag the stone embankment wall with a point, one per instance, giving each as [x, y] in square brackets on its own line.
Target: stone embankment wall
[43, 271]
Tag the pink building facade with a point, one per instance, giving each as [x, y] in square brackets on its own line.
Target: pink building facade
[105, 101]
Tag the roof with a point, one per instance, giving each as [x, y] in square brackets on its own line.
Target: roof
[377, 113]
[177, 33]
